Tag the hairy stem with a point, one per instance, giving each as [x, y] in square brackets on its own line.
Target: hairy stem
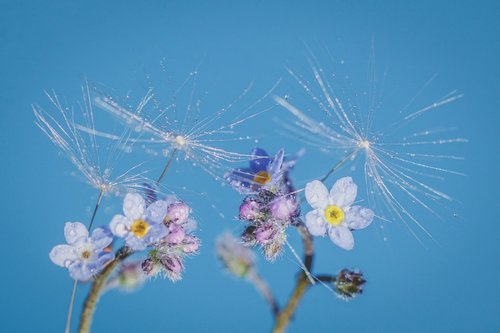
[75, 283]
[283, 318]
[97, 286]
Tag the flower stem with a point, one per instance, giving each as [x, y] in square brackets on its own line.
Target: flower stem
[338, 165]
[75, 283]
[284, 316]
[174, 152]
[97, 286]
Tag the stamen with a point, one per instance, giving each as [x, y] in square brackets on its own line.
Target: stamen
[262, 177]
[139, 228]
[334, 215]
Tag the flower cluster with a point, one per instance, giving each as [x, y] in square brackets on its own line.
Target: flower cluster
[271, 205]
[169, 251]
[164, 225]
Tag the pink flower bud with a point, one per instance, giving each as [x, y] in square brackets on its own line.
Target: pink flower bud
[178, 212]
[249, 210]
[176, 234]
[283, 208]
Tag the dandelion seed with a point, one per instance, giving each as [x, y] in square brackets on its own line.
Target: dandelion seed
[394, 172]
[83, 150]
[197, 139]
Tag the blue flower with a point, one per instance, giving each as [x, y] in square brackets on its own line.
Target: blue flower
[334, 213]
[264, 173]
[135, 227]
[83, 256]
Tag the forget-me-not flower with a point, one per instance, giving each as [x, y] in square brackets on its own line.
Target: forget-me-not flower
[135, 227]
[83, 256]
[333, 212]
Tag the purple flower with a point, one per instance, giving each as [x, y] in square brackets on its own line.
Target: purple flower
[83, 256]
[135, 227]
[264, 172]
[333, 212]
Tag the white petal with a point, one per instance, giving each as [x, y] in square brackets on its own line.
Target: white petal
[62, 255]
[315, 223]
[74, 231]
[134, 206]
[343, 192]
[342, 237]
[119, 225]
[358, 217]
[317, 194]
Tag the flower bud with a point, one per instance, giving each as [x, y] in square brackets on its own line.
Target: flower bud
[265, 233]
[283, 208]
[349, 284]
[249, 210]
[176, 234]
[178, 212]
[238, 259]
[190, 244]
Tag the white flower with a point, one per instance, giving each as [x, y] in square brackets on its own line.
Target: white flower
[333, 213]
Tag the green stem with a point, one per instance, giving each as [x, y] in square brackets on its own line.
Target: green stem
[97, 286]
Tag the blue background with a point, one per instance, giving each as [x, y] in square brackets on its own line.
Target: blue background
[450, 285]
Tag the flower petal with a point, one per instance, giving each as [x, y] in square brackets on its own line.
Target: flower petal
[102, 237]
[316, 194]
[275, 166]
[119, 225]
[63, 255]
[260, 160]
[155, 232]
[136, 244]
[74, 231]
[358, 217]
[343, 192]
[134, 206]
[80, 271]
[342, 237]
[315, 223]
[240, 179]
[157, 211]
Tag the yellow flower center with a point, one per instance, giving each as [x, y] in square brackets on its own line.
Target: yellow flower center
[139, 228]
[86, 254]
[262, 177]
[334, 215]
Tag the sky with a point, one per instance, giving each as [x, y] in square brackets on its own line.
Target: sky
[446, 282]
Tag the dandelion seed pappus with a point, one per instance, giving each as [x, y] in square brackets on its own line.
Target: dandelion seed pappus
[181, 129]
[93, 159]
[399, 162]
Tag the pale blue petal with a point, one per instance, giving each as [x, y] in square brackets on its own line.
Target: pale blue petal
[80, 271]
[316, 194]
[315, 223]
[134, 206]
[358, 217]
[119, 225]
[275, 165]
[102, 237]
[155, 232]
[135, 243]
[343, 192]
[342, 237]
[74, 232]
[63, 255]
[157, 211]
